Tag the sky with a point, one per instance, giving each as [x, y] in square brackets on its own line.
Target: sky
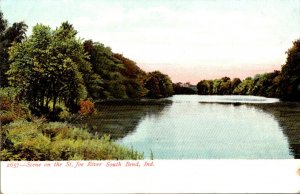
[189, 40]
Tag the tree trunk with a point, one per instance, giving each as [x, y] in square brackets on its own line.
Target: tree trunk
[54, 103]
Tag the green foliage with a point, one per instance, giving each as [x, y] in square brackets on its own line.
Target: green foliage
[245, 87]
[267, 84]
[54, 66]
[221, 86]
[158, 85]
[8, 35]
[235, 82]
[3, 23]
[45, 66]
[116, 89]
[133, 81]
[114, 76]
[290, 86]
[64, 115]
[284, 84]
[216, 86]
[59, 141]
[205, 87]
[106, 72]
[225, 86]
[179, 88]
[11, 108]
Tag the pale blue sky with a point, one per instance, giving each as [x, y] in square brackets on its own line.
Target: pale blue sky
[189, 40]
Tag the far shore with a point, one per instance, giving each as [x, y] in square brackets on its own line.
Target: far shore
[141, 101]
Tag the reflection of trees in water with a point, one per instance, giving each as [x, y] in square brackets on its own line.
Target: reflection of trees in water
[118, 120]
[288, 116]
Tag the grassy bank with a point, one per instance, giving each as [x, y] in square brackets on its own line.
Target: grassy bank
[39, 140]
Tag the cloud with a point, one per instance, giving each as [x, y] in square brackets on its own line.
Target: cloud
[192, 34]
[166, 34]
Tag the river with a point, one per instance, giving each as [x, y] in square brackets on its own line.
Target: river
[204, 127]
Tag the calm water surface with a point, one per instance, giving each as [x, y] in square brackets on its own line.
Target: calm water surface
[192, 128]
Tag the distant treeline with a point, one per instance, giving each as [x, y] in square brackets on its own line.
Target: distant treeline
[267, 84]
[184, 88]
[55, 66]
[284, 84]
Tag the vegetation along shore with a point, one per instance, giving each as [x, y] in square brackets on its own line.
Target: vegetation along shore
[52, 76]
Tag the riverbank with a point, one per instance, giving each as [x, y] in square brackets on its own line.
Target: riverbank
[40, 140]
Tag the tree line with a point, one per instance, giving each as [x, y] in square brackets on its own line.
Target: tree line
[284, 84]
[55, 66]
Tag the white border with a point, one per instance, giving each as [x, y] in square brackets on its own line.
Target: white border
[176, 176]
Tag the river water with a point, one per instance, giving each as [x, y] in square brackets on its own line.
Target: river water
[205, 127]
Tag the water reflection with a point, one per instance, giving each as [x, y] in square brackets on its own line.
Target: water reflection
[288, 116]
[192, 130]
[118, 121]
[187, 129]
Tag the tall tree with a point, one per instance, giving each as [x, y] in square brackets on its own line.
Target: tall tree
[133, 77]
[235, 82]
[8, 35]
[158, 84]
[45, 67]
[203, 87]
[3, 23]
[225, 86]
[245, 87]
[109, 68]
[290, 87]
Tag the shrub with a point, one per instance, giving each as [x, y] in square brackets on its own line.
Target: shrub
[7, 117]
[87, 107]
[38, 140]
[64, 115]
[6, 155]
[5, 103]
[11, 107]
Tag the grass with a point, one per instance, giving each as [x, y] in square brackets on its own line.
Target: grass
[25, 138]
[38, 140]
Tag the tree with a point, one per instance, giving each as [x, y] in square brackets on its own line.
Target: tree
[108, 69]
[3, 23]
[118, 76]
[225, 86]
[8, 35]
[245, 87]
[261, 82]
[216, 86]
[202, 87]
[133, 77]
[235, 82]
[267, 84]
[276, 82]
[45, 67]
[158, 85]
[179, 89]
[290, 86]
